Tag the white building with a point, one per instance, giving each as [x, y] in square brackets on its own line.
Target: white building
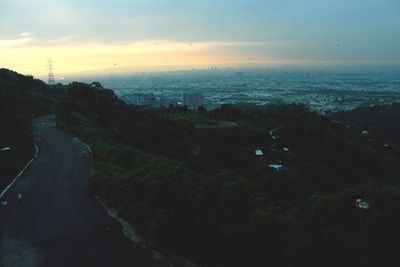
[193, 100]
[277, 167]
[258, 152]
[364, 133]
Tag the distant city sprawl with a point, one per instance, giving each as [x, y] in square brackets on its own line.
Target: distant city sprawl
[323, 90]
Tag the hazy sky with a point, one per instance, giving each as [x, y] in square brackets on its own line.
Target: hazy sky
[123, 35]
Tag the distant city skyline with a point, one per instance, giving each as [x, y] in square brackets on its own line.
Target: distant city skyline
[121, 36]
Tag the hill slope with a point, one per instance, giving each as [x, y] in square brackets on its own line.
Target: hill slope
[382, 123]
[203, 192]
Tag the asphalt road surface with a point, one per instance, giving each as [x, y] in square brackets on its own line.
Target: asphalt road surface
[58, 222]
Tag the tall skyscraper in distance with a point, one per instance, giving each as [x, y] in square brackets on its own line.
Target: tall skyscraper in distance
[193, 99]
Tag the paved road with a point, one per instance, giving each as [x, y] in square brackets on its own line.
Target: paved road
[59, 223]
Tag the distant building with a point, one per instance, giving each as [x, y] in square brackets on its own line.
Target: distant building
[193, 100]
[277, 167]
[141, 99]
[364, 133]
[258, 152]
[362, 204]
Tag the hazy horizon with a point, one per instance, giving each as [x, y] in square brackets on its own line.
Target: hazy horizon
[145, 36]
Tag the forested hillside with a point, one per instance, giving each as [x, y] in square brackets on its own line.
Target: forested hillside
[320, 195]
[21, 99]
[381, 122]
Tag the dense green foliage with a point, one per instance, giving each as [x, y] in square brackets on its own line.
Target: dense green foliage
[203, 192]
[382, 123]
[21, 99]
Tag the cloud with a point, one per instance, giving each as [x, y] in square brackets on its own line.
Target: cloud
[71, 56]
[88, 35]
[15, 43]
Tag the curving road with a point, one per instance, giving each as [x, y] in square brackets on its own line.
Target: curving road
[59, 223]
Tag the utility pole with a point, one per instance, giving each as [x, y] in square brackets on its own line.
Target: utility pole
[50, 67]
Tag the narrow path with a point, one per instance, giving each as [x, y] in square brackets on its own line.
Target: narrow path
[59, 223]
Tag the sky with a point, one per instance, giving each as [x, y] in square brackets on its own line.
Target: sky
[95, 36]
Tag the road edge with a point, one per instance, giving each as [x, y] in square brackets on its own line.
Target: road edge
[87, 146]
[23, 169]
[158, 252]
